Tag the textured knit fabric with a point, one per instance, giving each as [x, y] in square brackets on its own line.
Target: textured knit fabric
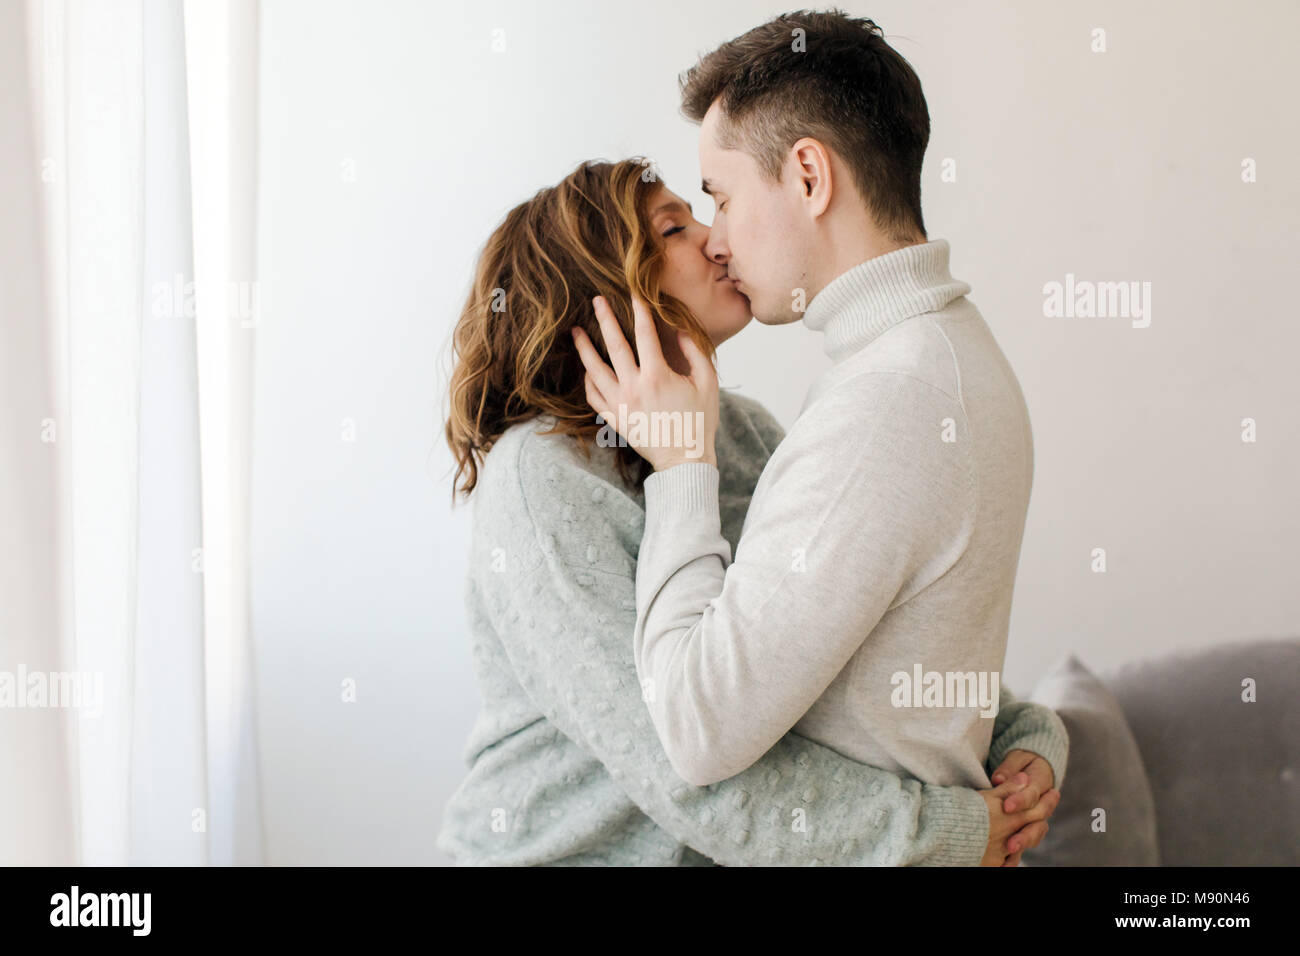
[880, 547]
[565, 766]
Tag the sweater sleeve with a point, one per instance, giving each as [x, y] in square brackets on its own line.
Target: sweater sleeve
[736, 651]
[1024, 725]
[564, 617]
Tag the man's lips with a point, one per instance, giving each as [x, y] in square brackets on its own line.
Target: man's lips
[734, 283]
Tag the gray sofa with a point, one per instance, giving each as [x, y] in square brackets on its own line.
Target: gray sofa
[1173, 764]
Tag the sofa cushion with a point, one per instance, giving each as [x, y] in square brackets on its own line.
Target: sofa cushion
[1106, 774]
[1223, 770]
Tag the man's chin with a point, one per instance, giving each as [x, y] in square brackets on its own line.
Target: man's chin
[783, 317]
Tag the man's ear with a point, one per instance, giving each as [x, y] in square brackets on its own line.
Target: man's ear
[812, 173]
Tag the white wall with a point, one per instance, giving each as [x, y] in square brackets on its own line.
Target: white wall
[1123, 165]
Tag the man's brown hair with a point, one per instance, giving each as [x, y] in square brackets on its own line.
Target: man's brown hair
[831, 77]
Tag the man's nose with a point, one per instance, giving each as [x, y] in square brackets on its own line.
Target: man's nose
[715, 247]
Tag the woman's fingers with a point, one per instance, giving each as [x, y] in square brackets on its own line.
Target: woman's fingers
[1012, 763]
[1027, 837]
[601, 374]
[648, 346]
[1015, 823]
[1015, 784]
[1041, 810]
[598, 401]
[1025, 799]
[620, 353]
[702, 371]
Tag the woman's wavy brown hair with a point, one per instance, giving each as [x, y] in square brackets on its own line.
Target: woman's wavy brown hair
[513, 355]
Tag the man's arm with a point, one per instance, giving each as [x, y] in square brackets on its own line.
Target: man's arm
[1019, 725]
[844, 525]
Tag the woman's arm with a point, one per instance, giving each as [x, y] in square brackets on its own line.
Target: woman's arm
[564, 609]
[1024, 725]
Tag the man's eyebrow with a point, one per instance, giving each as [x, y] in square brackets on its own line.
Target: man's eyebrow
[671, 206]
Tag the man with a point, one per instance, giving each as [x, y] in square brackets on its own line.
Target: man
[867, 606]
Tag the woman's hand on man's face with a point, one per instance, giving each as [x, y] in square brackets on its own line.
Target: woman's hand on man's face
[639, 402]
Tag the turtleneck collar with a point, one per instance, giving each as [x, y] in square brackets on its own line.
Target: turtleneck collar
[876, 295]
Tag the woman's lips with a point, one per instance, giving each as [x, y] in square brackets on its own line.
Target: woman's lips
[735, 285]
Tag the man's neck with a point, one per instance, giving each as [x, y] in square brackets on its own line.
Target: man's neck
[878, 293]
[852, 251]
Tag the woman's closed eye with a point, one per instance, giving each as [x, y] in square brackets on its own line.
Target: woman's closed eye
[674, 229]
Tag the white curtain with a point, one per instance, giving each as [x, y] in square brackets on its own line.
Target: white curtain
[124, 531]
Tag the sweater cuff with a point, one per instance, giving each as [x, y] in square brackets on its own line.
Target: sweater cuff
[1052, 745]
[690, 488]
[958, 818]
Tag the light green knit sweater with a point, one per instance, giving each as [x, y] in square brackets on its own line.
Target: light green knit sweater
[565, 766]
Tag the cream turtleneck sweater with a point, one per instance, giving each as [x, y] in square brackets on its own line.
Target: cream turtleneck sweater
[867, 604]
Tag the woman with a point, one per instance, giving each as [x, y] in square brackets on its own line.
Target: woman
[565, 766]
